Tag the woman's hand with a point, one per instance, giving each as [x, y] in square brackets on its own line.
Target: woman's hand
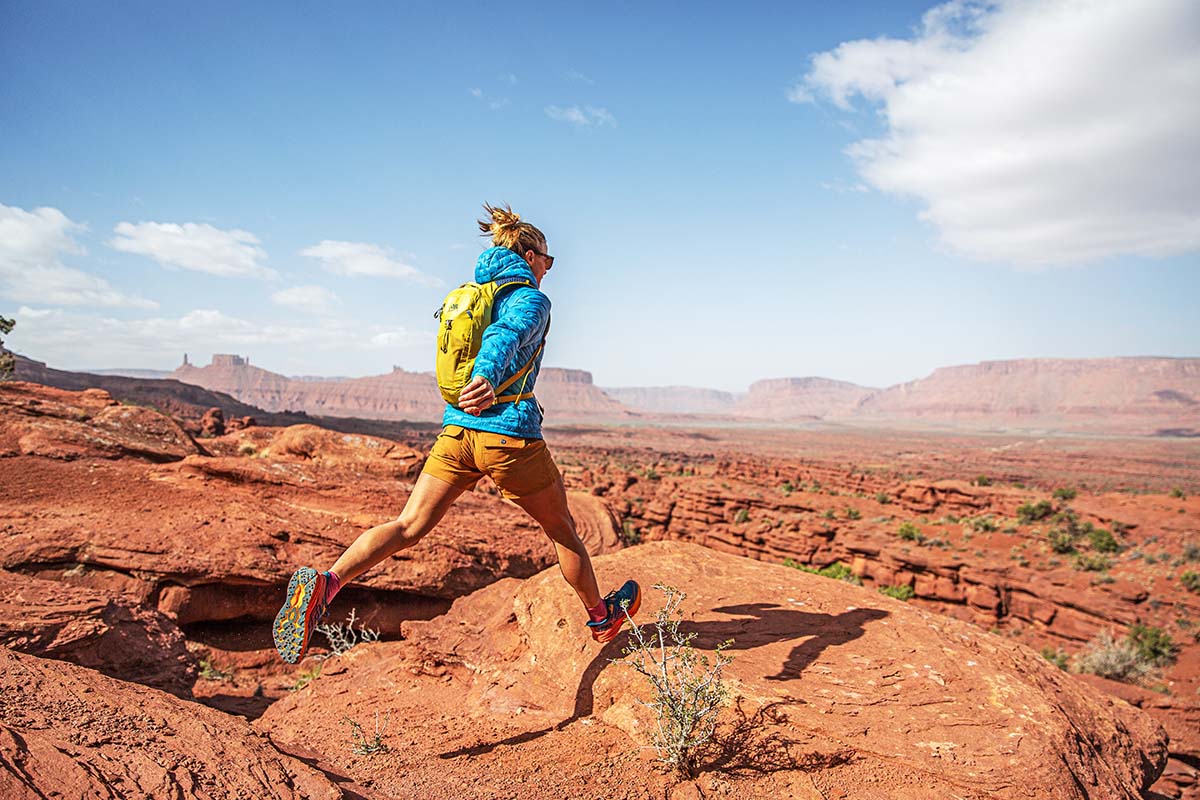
[476, 396]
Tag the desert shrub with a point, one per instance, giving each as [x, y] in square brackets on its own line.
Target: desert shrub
[837, 570]
[247, 448]
[787, 487]
[902, 592]
[1103, 541]
[984, 524]
[1091, 562]
[7, 361]
[1113, 659]
[1152, 644]
[1055, 656]
[883, 498]
[629, 535]
[687, 689]
[910, 533]
[853, 513]
[741, 515]
[652, 474]
[306, 677]
[1029, 513]
[360, 744]
[1191, 551]
[829, 514]
[1176, 493]
[1063, 493]
[1061, 541]
[1190, 580]
[983, 480]
[210, 672]
[344, 636]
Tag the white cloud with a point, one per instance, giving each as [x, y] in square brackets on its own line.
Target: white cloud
[309, 298]
[53, 335]
[362, 258]
[477, 92]
[32, 244]
[582, 117]
[509, 78]
[195, 246]
[1035, 133]
[576, 75]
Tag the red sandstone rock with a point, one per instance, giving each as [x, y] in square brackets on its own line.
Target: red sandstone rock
[114, 636]
[845, 686]
[70, 425]
[66, 731]
[212, 423]
[347, 451]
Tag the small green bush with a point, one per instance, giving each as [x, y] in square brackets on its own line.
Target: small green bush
[1152, 644]
[910, 533]
[853, 513]
[837, 570]
[1055, 656]
[984, 524]
[1102, 541]
[1029, 513]
[787, 488]
[1177, 493]
[1064, 494]
[7, 361]
[629, 535]
[1091, 562]
[1061, 541]
[902, 592]
[742, 515]
[1190, 580]
[883, 498]
[983, 480]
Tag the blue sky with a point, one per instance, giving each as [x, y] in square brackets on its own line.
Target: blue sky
[860, 191]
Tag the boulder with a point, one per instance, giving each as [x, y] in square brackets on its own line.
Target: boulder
[67, 731]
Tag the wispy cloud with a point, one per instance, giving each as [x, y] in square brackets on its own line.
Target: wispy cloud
[576, 75]
[509, 78]
[195, 246]
[1034, 133]
[362, 258]
[587, 116]
[310, 298]
[32, 244]
[53, 335]
[493, 102]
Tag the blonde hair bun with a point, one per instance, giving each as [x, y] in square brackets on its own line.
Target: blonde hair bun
[506, 229]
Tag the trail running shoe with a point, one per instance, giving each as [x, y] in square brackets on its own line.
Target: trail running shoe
[304, 606]
[621, 604]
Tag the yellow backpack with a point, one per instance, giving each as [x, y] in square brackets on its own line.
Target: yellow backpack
[464, 314]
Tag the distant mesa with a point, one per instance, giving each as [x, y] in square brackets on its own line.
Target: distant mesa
[567, 394]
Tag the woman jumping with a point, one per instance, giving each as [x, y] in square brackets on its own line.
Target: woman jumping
[481, 435]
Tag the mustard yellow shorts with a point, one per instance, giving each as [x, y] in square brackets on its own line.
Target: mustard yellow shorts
[519, 467]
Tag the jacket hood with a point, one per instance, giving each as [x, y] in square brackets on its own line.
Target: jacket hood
[500, 263]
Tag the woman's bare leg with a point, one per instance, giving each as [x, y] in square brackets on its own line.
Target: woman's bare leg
[430, 499]
[549, 508]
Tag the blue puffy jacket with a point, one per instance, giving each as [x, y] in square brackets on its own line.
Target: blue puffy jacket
[519, 320]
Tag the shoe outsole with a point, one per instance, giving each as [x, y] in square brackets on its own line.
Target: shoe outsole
[298, 617]
[608, 634]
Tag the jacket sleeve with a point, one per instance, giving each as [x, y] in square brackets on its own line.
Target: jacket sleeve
[522, 320]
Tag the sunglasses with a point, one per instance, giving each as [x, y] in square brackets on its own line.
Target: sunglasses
[549, 258]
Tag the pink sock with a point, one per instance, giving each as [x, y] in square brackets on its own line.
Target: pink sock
[599, 612]
[332, 585]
